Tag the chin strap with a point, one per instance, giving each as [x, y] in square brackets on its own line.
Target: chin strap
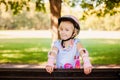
[64, 41]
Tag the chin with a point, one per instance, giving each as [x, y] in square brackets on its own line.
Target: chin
[62, 38]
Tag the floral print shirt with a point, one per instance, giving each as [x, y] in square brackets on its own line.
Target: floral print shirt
[67, 58]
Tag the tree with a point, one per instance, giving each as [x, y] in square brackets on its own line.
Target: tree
[89, 6]
[100, 7]
[55, 8]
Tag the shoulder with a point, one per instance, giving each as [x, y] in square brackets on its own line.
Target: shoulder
[56, 43]
[76, 40]
[78, 43]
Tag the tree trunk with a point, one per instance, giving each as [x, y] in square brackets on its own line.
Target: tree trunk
[55, 13]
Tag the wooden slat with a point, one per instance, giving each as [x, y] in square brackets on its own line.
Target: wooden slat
[58, 74]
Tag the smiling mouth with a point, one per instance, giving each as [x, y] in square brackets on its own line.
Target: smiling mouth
[63, 36]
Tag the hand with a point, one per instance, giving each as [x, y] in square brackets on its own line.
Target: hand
[49, 69]
[87, 70]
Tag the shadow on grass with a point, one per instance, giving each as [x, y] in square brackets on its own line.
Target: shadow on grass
[34, 51]
[24, 58]
[25, 51]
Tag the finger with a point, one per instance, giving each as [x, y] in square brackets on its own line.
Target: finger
[48, 69]
[90, 69]
[87, 71]
[51, 70]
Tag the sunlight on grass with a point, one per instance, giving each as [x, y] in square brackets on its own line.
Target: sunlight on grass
[99, 58]
[4, 61]
[1, 46]
[45, 49]
[16, 55]
[105, 60]
[32, 49]
[111, 42]
[35, 50]
[8, 51]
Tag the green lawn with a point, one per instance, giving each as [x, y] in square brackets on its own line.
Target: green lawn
[103, 51]
[34, 51]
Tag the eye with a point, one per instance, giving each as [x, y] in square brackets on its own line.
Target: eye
[60, 29]
[67, 29]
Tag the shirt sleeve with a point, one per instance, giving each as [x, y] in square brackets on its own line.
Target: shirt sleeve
[77, 41]
[56, 44]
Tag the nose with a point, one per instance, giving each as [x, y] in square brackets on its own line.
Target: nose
[63, 31]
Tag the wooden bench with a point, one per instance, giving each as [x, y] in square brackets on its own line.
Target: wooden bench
[58, 74]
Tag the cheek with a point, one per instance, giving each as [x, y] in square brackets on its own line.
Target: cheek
[70, 32]
[60, 32]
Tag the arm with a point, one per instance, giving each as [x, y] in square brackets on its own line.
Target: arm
[51, 59]
[85, 57]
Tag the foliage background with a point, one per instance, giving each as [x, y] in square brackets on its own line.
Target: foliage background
[90, 19]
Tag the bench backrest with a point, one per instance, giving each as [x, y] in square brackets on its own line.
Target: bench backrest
[58, 74]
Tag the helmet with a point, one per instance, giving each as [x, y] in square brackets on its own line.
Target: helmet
[72, 19]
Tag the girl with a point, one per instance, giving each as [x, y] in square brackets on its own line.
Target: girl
[67, 50]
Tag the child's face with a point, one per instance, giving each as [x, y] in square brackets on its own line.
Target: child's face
[66, 29]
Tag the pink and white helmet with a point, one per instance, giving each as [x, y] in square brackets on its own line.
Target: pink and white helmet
[72, 19]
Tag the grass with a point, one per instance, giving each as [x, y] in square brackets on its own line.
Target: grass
[103, 51]
[34, 50]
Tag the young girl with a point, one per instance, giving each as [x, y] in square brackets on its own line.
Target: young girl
[67, 50]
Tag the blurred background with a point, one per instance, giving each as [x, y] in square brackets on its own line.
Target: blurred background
[28, 27]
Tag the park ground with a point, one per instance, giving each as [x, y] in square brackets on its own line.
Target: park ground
[47, 34]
